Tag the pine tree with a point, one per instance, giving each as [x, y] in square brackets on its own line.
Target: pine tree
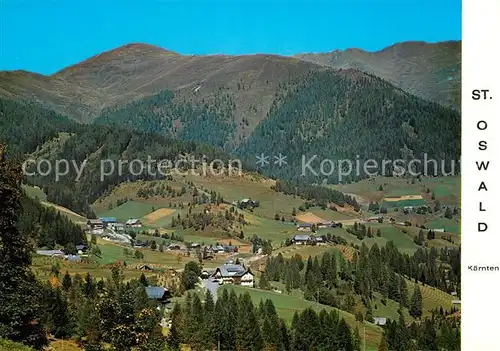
[19, 291]
[416, 303]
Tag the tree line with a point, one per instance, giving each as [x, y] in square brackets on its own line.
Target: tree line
[233, 322]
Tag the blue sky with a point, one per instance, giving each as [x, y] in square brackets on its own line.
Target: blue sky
[44, 36]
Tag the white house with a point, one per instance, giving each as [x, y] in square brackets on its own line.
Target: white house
[133, 223]
[230, 273]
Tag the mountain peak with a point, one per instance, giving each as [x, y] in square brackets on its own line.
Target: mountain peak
[131, 52]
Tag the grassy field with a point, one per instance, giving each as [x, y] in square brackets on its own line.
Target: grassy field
[35, 192]
[446, 189]
[42, 266]
[269, 229]
[304, 250]
[287, 305]
[402, 241]
[112, 252]
[432, 298]
[404, 203]
[238, 188]
[449, 225]
[128, 210]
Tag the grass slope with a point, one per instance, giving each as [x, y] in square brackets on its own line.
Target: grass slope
[287, 305]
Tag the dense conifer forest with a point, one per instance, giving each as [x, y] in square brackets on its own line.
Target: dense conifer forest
[335, 116]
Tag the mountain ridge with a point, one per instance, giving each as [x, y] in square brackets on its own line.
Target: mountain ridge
[136, 70]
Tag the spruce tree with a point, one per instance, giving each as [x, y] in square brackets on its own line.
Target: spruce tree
[416, 303]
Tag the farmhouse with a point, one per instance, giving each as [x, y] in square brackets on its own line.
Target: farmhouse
[230, 273]
[376, 219]
[158, 293]
[380, 320]
[301, 239]
[325, 225]
[51, 253]
[304, 227]
[133, 223]
[244, 203]
[107, 221]
[96, 226]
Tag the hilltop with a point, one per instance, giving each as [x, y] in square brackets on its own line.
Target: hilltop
[134, 71]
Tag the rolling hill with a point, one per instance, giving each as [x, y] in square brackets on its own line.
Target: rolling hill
[429, 70]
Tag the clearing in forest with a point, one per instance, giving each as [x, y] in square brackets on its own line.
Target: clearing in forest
[158, 214]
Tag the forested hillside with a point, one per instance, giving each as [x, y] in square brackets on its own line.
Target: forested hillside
[49, 226]
[84, 149]
[212, 122]
[24, 126]
[429, 70]
[349, 115]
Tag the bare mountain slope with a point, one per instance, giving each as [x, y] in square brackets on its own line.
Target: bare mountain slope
[133, 71]
[430, 71]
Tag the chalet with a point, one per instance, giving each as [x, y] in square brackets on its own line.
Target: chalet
[319, 240]
[380, 320]
[158, 293]
[51, 253]
[244, 203]
[300, 239]
[218, 249]
[376, 219]
[325, 225]
[230, 273]
[108, 221]
[139, 244]
[95, 225]
[304, 227]
[133, 223]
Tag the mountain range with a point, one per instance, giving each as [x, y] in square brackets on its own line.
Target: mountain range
[395, 103]
[131, 72]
